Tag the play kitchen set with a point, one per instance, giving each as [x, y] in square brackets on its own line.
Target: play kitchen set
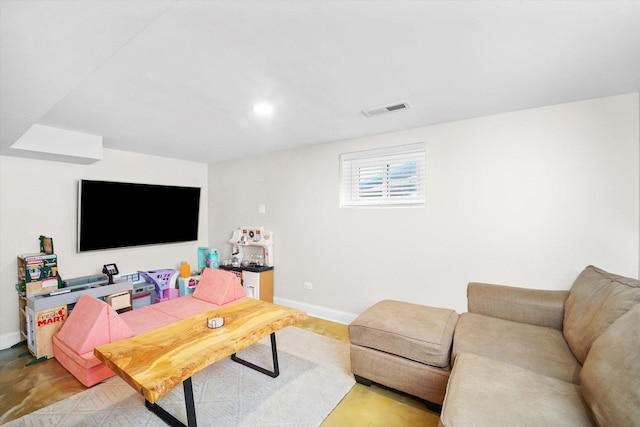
[252, 261]
[45, 300]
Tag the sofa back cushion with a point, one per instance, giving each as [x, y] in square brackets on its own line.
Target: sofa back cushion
[596, 300]
[218, 287]
[92, 323]
[610, 377]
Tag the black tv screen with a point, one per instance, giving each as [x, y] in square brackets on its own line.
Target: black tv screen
[119, 214]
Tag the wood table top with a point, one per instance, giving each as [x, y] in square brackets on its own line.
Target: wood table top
[155, 362]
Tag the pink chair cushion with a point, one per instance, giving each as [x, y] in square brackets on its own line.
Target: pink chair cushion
[84, 360]
[218, 287]
[85, 367]
[92, 323]
[185, 307]
[147, 319]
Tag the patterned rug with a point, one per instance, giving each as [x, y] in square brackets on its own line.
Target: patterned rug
[314, 376]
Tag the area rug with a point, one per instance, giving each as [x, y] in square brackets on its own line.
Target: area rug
[314, 376]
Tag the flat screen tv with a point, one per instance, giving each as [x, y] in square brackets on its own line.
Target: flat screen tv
[120, 214]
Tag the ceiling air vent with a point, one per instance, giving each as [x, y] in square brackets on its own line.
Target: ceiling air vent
[389, 108]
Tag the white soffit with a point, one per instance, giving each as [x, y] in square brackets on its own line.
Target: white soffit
[41, 141]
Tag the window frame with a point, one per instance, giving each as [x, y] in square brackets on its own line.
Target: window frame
[378, 166]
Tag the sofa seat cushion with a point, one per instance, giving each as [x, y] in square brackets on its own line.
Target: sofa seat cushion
[147, 318]
[486, 392]
[596, 300]
[537, 348]
[85, 367]
[413, 331]
[84, 360]
[185, 307]
[610, 378]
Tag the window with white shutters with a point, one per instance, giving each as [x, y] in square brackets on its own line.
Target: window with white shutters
[387, 177]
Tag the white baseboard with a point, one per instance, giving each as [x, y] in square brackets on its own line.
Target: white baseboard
[321, 312]
[7, 340]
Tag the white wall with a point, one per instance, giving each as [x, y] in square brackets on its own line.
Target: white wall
[40, 197]
[527, 198]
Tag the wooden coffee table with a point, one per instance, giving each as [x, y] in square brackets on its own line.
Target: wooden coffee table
[155, 362]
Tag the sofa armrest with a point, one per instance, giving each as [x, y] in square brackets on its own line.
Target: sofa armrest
[533, 306]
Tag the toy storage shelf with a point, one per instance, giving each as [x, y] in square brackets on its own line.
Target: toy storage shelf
[44, 314]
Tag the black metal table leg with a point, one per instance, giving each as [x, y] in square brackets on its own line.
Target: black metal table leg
[188, 390]
[189, 403]
[274, 355]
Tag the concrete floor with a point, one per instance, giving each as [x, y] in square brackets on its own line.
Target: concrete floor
[24, 389]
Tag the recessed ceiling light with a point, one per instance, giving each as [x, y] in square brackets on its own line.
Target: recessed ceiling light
[263, 109]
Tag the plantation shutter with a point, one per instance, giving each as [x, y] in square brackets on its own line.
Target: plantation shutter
[393, 176]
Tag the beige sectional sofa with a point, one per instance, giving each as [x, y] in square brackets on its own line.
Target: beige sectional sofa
[547, 358]
[518, 357]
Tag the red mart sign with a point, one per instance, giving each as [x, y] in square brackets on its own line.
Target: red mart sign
[53, 316]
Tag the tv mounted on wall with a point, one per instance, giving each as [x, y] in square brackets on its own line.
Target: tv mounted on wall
[120, 214]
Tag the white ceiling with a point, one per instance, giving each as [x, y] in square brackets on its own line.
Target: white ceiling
[178, 78]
